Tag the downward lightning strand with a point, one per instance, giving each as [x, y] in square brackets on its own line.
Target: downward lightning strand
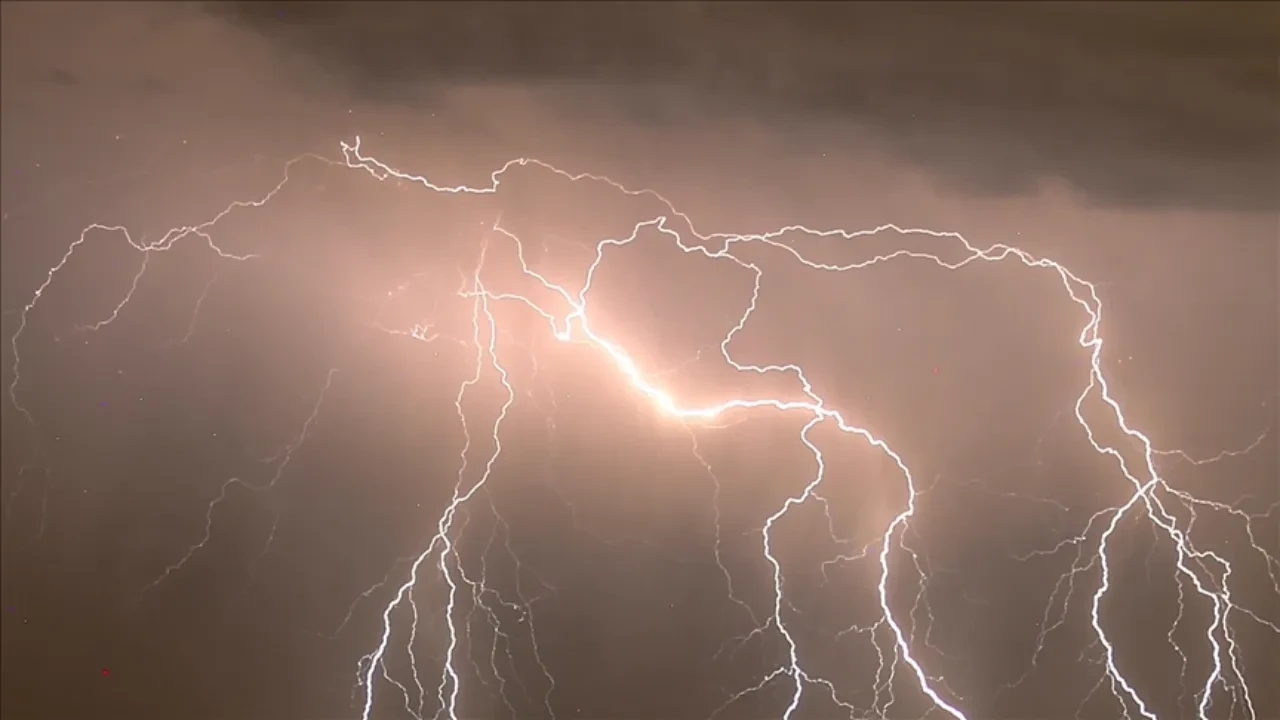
[281, 463]
[1171, 511]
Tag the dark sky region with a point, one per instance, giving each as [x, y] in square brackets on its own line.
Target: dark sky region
[618, 549]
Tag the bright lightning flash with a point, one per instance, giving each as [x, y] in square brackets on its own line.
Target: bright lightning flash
[1171, 511]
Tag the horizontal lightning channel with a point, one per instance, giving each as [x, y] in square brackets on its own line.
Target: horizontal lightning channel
[1205, 572]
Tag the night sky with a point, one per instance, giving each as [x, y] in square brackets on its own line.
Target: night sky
[228, 445]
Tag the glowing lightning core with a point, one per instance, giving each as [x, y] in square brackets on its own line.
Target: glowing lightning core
[1205, 572]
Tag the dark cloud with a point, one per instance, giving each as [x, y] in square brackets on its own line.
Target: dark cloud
[1132, 104]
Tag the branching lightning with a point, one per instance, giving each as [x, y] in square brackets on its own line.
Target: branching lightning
[281, 462]
[897, 635]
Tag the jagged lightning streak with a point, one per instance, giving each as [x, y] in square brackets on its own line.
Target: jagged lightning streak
[166, 242]
[195, 314]
[1223, 455]
[281, 463]
[1081, 292]
[449, 678]
[1206, 572]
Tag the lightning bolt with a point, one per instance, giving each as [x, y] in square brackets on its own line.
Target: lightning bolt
[280, 463]
[895, 636]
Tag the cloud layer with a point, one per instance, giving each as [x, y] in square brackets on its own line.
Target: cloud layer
[1132, 105]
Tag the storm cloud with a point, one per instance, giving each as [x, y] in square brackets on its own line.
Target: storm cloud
[1134, 105]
